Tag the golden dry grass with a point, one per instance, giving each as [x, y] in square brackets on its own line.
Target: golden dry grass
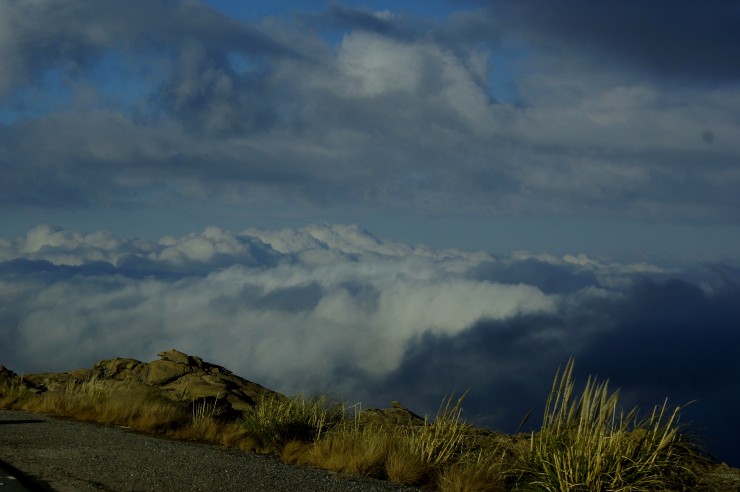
[441, 441]
[406, 468]
[94, 401]
[277, 420]
[295, 452]
[208, 430]
[586, 442]
[231, 434]
[355, 451]
[470, 477]
[589, 443]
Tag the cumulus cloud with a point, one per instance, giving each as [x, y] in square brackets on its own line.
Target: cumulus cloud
[332, 308]
[336, 290]
[398, 114]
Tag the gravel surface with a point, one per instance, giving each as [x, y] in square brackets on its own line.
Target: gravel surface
[64, 455]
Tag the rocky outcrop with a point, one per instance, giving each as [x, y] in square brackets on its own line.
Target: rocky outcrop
[176, 376]
[9, 379]
[397, 415]
[7, 376]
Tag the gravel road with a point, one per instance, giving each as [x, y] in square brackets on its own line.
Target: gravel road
[63, 455]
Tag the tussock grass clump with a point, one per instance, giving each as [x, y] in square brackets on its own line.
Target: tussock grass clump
[204, 424]
[357, 450]
[404, 467]
[470, 477]
[13, 392]
[276, 420]
[443, 440]
[588, 443]
[486, 466]
[412, 454]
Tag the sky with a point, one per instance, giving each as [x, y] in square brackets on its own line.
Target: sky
[383, 200]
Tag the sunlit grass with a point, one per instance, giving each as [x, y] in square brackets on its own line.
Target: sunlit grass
[434, 453]
[93, 400]
[441, 441]
[13, 392]
[276, 420]
[589, 443]
[586, 442]
[354, 450]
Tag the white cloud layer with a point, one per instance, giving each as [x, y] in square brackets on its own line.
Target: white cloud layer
[332, 308]
[284, 306]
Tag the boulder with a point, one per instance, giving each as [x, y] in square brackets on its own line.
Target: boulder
[178, 357]
[50, 381]
[188, 378]
[161, 372]
[119, 370]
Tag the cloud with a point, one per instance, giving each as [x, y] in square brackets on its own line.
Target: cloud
[332, 308]
[108, 106]
[172, 105]
[72, 38]
[657, 338]
[384, 23]
[238, 285]
[687, 41]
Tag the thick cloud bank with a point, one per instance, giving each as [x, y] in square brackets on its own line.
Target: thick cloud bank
[331, 308]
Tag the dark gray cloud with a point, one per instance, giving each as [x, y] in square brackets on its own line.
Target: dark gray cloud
[659, 339]
[549, 278]
[73, 35]
[506, 365]
[384, 23]
[681, 339]
[685, 40]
